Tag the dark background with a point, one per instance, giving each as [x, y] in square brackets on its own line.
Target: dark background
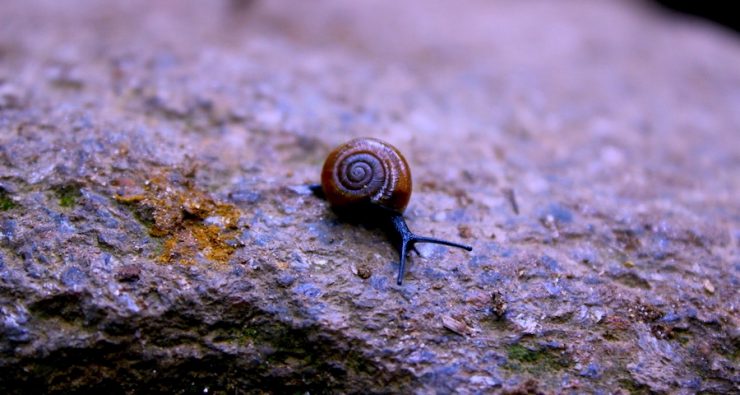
[720, 12]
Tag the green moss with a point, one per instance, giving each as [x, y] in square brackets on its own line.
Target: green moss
[681, 336]
[248, 333]
[68, 195]
[633, 387]
[241, 336]
[536, 360]
[609, 336]
[735, 355]
[6, 203]
[517, 352]
[157, 247]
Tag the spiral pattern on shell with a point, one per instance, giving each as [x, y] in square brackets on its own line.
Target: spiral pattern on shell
[366, 171]
[361, 170]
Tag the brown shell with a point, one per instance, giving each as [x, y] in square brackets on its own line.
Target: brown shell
[366, 170]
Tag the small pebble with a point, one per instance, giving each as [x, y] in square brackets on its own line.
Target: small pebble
[464, 231]
[456, 326]
[285, 279]
[128, 273]
[439, 217]
[485, 381]
[498, 304]
[364, 272]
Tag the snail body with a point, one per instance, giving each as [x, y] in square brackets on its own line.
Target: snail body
[369, 180]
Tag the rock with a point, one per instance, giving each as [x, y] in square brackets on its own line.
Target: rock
[158, 232]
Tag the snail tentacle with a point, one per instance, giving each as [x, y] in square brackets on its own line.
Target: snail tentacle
[424, 239]
[407, 240]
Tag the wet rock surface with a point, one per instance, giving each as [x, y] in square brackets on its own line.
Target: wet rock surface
[156, 232]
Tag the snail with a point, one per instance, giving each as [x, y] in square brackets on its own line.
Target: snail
[367, 180]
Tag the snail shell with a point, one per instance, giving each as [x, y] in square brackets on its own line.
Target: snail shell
[366, 171]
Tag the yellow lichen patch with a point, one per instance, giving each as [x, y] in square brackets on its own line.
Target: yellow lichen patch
[208, 241]
[178, 248]
[213, 242]
[229, 213]
[191, 223]
[129, 198]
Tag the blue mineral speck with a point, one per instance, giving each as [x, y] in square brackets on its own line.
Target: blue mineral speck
[477, 260]
[670, 317]
[285, 279]
[321, 230]
[245, 196]
[550, 263]
[498, 249]
[434, 274]
[73, 276]
[552, 288]
[558, 212]
[490, 277]
[379, 282]
[11, 326]
[591, 371]
[422, 356]
[307, 289]
[7, 230]
[693, 383]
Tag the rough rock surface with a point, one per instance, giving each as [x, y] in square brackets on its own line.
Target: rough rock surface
[156, 233]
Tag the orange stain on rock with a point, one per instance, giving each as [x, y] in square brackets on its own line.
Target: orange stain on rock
[191, 223]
